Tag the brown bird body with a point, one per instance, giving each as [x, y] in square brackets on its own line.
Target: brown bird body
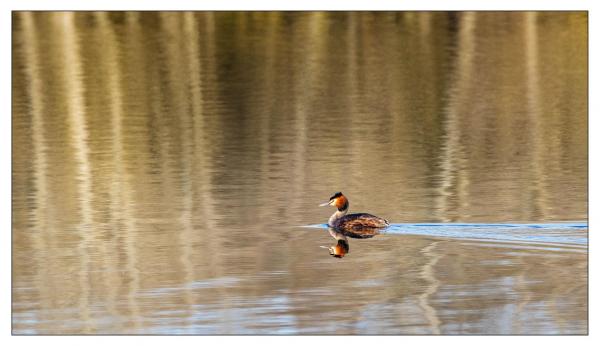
[359, 221]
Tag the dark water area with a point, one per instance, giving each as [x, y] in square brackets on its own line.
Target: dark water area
[166, 167]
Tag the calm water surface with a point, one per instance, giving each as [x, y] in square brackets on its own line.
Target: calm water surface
[166, 166]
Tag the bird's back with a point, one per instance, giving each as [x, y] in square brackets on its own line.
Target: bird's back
[359, 221]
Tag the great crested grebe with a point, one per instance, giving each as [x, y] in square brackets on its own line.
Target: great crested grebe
[352, 222]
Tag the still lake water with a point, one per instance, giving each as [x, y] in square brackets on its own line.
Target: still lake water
[167, 170]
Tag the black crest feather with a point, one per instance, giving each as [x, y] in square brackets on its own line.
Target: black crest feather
[337, 194]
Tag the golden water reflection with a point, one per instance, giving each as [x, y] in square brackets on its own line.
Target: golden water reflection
[163, 161]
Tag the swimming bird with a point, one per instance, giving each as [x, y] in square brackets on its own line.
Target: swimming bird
[352, 223]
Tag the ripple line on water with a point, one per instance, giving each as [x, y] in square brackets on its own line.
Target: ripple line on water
[567, 234]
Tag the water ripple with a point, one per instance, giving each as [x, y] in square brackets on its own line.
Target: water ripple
[567, 234]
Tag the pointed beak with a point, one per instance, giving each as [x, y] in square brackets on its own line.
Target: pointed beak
[331, 249]
[324, 204]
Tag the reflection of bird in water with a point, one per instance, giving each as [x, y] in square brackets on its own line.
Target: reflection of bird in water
[355, 224]
[342, 247]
